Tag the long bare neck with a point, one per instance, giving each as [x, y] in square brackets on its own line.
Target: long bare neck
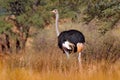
[56, 24]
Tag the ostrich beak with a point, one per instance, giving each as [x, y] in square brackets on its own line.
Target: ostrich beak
[53, 11]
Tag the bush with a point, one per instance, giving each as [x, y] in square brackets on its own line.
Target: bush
[4, 26]
[103, 48]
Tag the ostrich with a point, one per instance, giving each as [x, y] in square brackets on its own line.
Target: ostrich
[69, 41]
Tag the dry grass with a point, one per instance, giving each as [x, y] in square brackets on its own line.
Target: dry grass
[55, 67]
[47, 62]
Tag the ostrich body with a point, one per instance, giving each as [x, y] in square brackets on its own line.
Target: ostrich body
[72, 37]
[69, 41]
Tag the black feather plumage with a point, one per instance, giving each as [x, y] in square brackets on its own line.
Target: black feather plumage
[73, 36]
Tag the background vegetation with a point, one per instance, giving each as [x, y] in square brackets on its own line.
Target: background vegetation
[28, 11]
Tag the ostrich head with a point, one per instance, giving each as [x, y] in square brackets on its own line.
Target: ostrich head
[55, 11]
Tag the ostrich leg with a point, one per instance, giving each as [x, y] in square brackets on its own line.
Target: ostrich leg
[67, 54]
[79, 58]
[79, 49]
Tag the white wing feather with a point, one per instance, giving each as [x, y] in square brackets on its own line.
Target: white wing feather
[66, 44]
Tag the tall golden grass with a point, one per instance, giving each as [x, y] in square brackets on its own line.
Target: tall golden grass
[55, 67]
[45, 61]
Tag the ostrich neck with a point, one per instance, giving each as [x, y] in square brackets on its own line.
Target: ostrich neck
[56, 24]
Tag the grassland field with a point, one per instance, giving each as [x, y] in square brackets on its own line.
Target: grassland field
[45, 61]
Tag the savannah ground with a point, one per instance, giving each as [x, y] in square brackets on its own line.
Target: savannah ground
[45, 61]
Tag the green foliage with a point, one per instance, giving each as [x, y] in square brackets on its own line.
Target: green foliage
[37, 12]
[3, 25]
[107, 11]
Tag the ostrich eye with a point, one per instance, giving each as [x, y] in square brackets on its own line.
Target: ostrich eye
[55, 10]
